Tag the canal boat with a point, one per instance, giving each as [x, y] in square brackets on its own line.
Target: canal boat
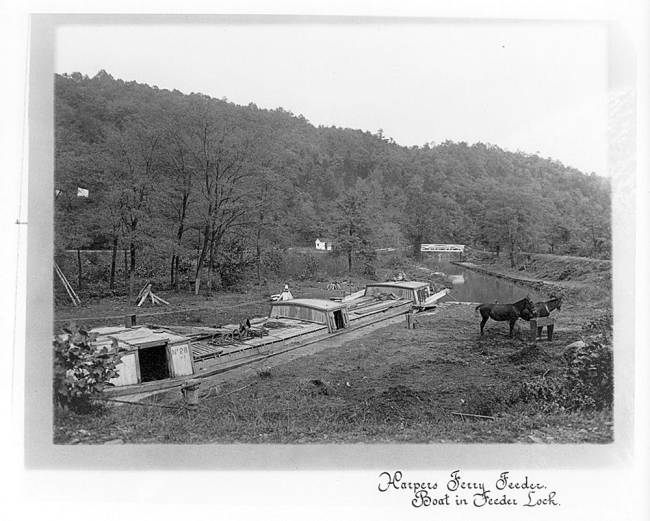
[380, 296]
[160, 357]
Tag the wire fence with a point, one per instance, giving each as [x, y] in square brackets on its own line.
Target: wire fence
[158, 313]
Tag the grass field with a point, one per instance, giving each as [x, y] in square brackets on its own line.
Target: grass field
[391, 385]
[384, 384]
[186, 308]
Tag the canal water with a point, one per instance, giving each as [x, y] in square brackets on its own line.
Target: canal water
[470, 286]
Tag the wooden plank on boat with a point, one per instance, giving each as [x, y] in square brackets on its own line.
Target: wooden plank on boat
[187, 330]
[385, 313]
[363, 301]
[292, 332]
[380, 306]
[203, 349]
[433, 299]
[353, 296]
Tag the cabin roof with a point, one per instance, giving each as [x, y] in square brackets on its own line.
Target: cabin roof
[314, 303]
[134, 337]
[408, 284]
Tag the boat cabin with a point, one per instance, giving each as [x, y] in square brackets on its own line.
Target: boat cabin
[148, 354]
[415, 291]
[327, 312]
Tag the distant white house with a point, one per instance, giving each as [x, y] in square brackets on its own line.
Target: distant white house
[323, 244]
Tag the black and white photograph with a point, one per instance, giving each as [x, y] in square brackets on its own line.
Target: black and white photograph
[334, 242]
[333, 233]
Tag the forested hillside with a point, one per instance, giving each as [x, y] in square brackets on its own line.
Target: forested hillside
[207, 188]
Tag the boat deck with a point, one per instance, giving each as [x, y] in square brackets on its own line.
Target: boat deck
[209, 344]
[364, 306]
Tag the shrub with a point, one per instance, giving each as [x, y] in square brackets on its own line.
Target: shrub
[310, 268]
[600, 325]
[81, 372]
[483, 401]
[586, 383]
[542, 389]
[395, 261]
[589, 376]
[233, 264]
[368, 258]
[273, 262]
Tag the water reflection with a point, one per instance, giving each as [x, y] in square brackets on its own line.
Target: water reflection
[469, 286]
[457, 279]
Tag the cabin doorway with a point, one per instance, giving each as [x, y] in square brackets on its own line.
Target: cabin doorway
[154, 364]
[338, 319]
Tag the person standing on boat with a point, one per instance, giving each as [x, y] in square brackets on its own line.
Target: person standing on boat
[286, 294]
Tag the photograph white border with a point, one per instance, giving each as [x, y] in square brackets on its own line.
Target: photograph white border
[589, 461]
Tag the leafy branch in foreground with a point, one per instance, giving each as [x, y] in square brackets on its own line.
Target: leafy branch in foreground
[81, 371]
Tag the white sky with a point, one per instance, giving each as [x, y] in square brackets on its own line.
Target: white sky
[538, 88]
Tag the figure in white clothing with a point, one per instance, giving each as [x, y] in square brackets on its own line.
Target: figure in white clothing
[285, 295]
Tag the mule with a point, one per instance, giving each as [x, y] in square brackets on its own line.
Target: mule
[523, 308]
[544, 309]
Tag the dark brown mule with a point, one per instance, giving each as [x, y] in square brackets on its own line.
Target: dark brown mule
[544, 308]
[523, 308]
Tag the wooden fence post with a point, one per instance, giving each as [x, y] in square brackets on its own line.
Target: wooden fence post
[410, 324]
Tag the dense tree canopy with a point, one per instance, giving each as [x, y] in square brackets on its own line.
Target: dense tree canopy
[191, 179]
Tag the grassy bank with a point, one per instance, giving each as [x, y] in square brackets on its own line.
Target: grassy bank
[390, 385]
[186, 308]
[585, 284]
[579, 277]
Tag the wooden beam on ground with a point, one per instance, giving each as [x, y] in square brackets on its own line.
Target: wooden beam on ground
[161, 300]
[464, 414]
[144, 297]
[66, 284]
[144, 288]
[67, 289]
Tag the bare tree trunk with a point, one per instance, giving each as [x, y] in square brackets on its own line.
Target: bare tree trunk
[171, 271]
[126, 268]
[201, 259]
[175, 256]
[80, 284]
[211, 264]
[417, 246]
[176, 281]
[350, 256]
[260, 225]
[258, 251]
[113, 262]
[132, 273]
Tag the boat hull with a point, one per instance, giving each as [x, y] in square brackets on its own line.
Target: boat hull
[265, 348]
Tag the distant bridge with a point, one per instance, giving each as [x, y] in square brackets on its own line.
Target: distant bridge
[442, 248]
